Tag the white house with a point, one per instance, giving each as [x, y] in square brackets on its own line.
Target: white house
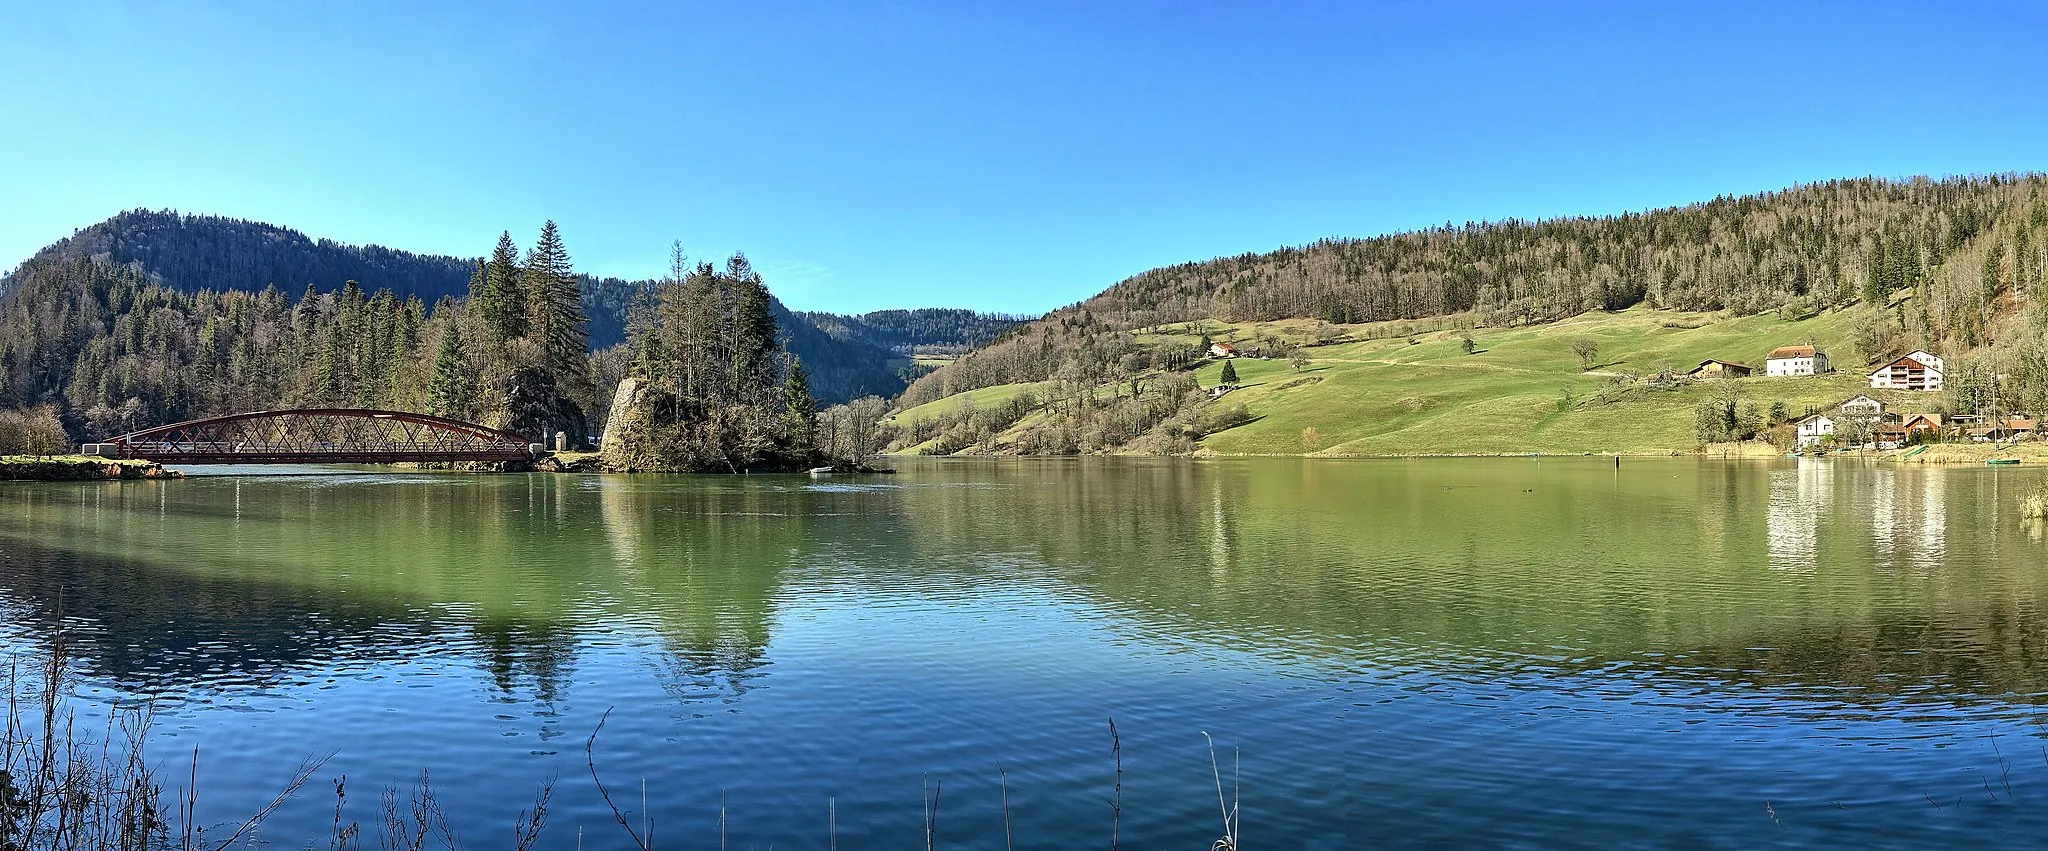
[1863, 406]
[1796, 360]
[1814, 429]
[1222, 350]
[1915, 370]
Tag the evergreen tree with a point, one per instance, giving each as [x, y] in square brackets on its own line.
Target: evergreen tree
[452, 390]
[554, 310]
[1229, 375]
[503, 306]
[750, 332]
[799, 409]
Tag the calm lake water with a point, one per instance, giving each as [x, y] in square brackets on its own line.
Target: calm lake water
[1527, 652]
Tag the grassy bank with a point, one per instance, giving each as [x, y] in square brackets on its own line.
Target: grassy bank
[60, 468]
[1973, 453]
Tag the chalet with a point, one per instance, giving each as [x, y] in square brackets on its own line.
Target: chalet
[1222, 350]
[1914, 371]
[1711, 368]
[1796, 360]
[2011, 429]
[1862, 406]
[1918, 424]
[1815, 428]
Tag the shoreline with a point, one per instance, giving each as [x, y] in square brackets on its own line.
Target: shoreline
[80, 468]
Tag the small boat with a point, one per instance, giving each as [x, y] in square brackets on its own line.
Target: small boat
[820, 471]
[2003, 461]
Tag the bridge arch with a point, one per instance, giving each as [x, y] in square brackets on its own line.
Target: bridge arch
[318, 436]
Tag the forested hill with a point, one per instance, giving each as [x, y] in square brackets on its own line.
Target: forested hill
[931, 330]
[1943, 252]
[189, 254]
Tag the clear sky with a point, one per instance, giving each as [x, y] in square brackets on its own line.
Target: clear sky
[1001, 156]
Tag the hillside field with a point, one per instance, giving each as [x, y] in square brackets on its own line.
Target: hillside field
[1521, 390]
[1397, 397]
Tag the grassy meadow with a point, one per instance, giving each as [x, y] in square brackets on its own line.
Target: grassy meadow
[1389, 389]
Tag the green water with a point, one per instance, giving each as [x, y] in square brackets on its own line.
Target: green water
[1502, 651]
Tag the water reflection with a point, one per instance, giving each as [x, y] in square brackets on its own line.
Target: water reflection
[1800, 499]
[1909, 517]
[1817, 575]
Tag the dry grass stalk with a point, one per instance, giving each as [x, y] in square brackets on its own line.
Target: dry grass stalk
[2034, 506]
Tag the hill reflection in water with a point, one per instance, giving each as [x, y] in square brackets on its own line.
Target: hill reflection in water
[971, 610]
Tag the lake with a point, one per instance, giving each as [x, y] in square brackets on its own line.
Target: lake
[1534, 652]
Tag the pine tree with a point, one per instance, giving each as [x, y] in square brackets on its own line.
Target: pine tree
[799, 409]
[554, 309]
[1229, 375]
[451, 392]
[750, 333]
[503, 306]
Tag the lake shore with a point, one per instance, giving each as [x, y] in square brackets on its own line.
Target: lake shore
[79, 468]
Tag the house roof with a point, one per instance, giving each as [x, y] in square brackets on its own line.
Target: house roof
[1908, 361]
[1932, 419]
[1811, 417]
[1703, 364]
[1224, 346]
[1864, 397]
[1783, 352]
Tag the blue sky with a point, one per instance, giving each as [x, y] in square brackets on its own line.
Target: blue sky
[1013, 157]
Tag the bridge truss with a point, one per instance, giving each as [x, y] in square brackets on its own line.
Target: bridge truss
[319, 436]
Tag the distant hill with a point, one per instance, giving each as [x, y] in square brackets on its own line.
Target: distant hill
[1458, 338]
[1808, 248]
[191, 253]
[931, 330]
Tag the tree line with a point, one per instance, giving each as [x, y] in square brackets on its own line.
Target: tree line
[105, 348]
[1928, 263]
[922, 331]
[193, 253]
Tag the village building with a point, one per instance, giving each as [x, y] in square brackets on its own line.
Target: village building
[1815, 428]
[1918, 424]
[2011, 429]
[1914, 371]
[1897, 431]
[1222, 350]
[1711, 368]
[1862, 406]
[1796, 360]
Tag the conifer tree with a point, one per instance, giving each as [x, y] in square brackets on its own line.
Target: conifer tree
[1229, 375]
[503, 306]
[554, 309]
[799, 409]
[450, 393]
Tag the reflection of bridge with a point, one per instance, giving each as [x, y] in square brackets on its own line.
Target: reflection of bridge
[318, 436]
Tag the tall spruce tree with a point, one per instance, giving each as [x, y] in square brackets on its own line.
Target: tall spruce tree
[451, 392]
[554, 309]
[750, 331]
[503, 306]
[799, 408]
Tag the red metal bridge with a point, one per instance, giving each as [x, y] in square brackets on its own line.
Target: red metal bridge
[318, 436]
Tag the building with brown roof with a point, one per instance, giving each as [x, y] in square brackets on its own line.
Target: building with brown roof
[1916, 371]
[1711, 368]
[1796, 360]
